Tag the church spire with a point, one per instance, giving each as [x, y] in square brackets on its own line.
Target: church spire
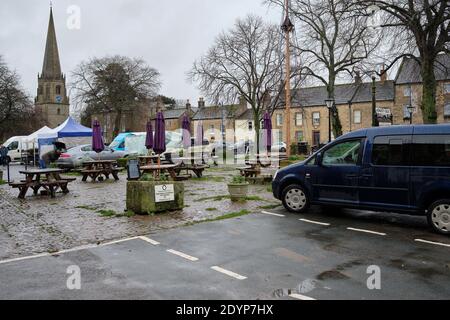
[51, 68]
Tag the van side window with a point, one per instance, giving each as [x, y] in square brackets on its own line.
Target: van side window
[391, 151]
[431, 150]
[13, 145]
[344, 153]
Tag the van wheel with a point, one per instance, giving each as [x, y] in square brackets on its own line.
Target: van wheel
[295, 199]
[439, 216]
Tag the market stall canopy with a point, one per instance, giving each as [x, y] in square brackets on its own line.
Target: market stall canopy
[68, 129]
[32, 138]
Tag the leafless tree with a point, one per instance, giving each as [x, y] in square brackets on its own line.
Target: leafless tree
[17, 113]
[113, 85]
[421, 29]
[333, 39]
[246, 61]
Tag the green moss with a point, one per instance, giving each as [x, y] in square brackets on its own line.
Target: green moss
[230, 215]
[107, 213]
[86, 208]
[2, 182]
[269, 188]
[211, 209]
[223, 197]
[268, 207]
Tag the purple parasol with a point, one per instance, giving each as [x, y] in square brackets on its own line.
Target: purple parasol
[149, 137]
[186, 126]
[267, 126]
[160, 134]
[97, 137]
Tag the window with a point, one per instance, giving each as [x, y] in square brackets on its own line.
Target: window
[58, 90]
[357, 116]
[407, 92]
[58, 112]
[211, 129]
[316, 118]
[344, 153]
[447, 110]
[279, 136]
[431, 150]
[298, 119]
[299, 136]
[391, 151]
[447, 88]
[279, 119]
[13, 145]
[250, 126]
[406, 114]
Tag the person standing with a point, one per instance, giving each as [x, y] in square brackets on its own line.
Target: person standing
[3, 155]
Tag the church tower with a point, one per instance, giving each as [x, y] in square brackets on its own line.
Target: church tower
[51, 97]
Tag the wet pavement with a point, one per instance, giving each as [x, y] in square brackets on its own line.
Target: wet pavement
[41, 224]
[269, 254]
[257, 256]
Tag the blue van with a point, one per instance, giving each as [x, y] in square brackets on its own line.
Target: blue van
[403, 169]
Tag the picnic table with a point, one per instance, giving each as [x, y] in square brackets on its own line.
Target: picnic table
[156, 170]
[48, 179]
[252, 170]
[148, 160]
[193, 164]
[95, 168]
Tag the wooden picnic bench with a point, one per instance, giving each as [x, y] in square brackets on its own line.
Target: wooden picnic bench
[48, 179]
[96, 168]
[251, 171]
[157, 170]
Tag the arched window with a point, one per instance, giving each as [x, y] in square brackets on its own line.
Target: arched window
[58, 89]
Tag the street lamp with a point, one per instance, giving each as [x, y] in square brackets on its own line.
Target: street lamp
[411, 110]
[330, 104]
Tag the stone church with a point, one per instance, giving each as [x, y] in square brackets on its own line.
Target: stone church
[51, 100]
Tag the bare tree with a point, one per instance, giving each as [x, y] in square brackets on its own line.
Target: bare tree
[113, 85]
[333, 39]
[17, 114]
[420, 27]
[246, 61]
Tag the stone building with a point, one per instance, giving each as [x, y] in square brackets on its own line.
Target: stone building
[52, 101]
[408, 91]
[211, 118]
[173, 115]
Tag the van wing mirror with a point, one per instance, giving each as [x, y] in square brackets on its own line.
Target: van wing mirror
[319, 159]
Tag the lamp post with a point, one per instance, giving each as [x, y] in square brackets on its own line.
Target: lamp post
[330, 104]
[411, 110]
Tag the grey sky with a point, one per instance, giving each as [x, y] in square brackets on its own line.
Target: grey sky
[169, 35]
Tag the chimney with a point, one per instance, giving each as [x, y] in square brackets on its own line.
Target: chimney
[383, 76]
[242, 101]
[357, 77]
[188, 105]
[201, 103]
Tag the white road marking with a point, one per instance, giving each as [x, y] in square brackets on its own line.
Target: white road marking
[153, 242]
[183, 255]
[273, 214]
[300, 296]
[25, 258]
[228, 273]
[367, 231]
[315, 222]
[431, 242]
[47, 254]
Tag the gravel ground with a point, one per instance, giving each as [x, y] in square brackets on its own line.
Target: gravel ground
[41, 224]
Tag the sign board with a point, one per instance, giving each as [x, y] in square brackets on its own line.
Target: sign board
[164, 193]
[133, 170]
[384, 116]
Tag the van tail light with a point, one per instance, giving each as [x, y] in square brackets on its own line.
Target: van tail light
[65, 155]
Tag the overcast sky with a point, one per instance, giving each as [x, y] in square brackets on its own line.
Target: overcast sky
[169, 35]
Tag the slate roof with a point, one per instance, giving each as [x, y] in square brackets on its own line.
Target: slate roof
[215, 112]
[409, 71]
[357, 93]
[175, 113]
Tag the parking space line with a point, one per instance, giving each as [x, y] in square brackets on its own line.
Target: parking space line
[432, 242]
[46, 254]
[367, 231]
[183, 255]
[300, 296]
[153, 242]
[228, 273]
[273, 214]
[315, 222]
[117, 241]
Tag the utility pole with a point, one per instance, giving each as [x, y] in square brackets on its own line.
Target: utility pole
[287, 28]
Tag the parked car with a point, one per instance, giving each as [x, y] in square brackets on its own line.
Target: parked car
[403, 169]
[75, 157]
[279, 147]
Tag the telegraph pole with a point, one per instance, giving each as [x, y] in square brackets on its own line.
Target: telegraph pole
[287, 28]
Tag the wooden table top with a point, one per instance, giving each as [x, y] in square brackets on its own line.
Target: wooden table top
[41, 171]
[159, 167]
